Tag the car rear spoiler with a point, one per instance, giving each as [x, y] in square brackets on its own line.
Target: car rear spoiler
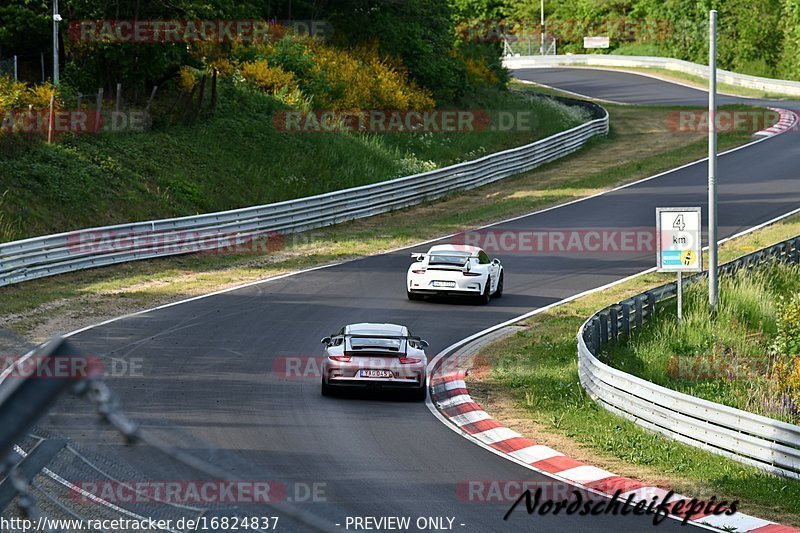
[378, 350]
[465, 268]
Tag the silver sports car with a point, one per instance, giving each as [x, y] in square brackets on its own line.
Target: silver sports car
[369, 355]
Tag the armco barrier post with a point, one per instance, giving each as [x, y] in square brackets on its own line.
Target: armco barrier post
[638, 303]
[613, 319]
[603, 328]
[651, 304]
[626, 318]
[596, 334]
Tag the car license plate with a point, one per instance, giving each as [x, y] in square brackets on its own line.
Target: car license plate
[376, 374]
[444, 283]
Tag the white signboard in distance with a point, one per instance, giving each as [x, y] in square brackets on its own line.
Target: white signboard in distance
[596, 42]
[679, 239]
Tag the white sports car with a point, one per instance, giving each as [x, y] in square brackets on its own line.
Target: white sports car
[455, 269]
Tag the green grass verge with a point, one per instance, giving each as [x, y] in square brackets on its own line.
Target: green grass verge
[533, 380]
[727, 358]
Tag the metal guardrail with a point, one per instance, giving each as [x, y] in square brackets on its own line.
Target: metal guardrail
[752, 439]
[770, 85]
[94, 247]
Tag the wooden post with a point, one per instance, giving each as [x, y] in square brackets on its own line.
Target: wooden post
[30, 123]
[202, 93]
[98, 110]
[51, 120]
[188, 106]
[147, 107]
[175, 105]
[213, 90]
[119, 97]
[150, 100]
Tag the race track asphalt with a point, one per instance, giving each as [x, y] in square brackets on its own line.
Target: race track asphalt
[210, 375]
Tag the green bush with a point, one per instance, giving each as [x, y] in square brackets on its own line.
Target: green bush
[751, 345]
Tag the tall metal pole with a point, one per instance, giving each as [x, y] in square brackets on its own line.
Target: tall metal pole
[713, 282]
[541, 30]
[56, 18]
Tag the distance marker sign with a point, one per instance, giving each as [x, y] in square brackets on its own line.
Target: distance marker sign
[679, 239]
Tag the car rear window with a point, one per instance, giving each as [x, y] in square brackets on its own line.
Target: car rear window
[359, 343]
[449, 259]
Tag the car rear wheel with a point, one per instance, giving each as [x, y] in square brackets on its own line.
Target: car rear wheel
[420, 394]
[326, 389]
[413, 296]
[499, 292]
[484, 298]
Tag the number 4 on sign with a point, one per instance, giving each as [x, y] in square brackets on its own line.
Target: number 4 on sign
[679, 223]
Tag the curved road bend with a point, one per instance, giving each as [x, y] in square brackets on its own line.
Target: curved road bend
[207, 365]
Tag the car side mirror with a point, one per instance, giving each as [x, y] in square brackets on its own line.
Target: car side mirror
[326, 340]
[424, 344]
[495, 261]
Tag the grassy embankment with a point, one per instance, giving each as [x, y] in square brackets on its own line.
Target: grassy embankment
[744, 357]
[236, 158]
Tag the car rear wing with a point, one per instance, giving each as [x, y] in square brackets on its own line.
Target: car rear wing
[422, 255]
[464, 268]
[382, 351]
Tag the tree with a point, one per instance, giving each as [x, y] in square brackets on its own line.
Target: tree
[419, 32]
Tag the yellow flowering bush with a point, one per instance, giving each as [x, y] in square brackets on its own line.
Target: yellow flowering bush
[187, 78]
[363, 79]
[479, 74]
[18, 95]
[786, 350]
[271, 79]
[299, 70]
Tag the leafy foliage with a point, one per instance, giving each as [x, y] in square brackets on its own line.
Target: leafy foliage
[760, 38]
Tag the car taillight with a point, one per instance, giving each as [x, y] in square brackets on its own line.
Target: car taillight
[409, 360]
[340, 358]
[472, 273]
[418, 271]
